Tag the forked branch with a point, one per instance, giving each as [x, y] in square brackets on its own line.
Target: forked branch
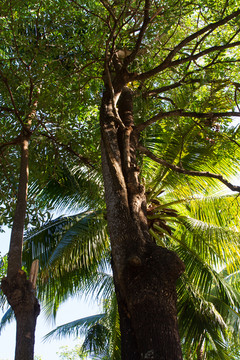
[168, 62]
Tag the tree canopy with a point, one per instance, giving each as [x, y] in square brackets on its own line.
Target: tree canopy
[52, 61]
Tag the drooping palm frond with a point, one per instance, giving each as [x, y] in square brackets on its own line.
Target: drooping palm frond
[221, 210]
[217, 244]
[206, 322]
[210, 224]
[113, 324]
[82, 232]
[91, 225]
[207, 280]
[96, 339]
[72, 188]
[213, 230]
[71, 252]
[57, 286]
[200, 322]
[77, 327]
[206, 235]
[40, 243]
[7, 318]
[206, 303]
[101, 333]
[102, 287]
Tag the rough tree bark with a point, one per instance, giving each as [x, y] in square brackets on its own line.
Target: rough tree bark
[18, 289]
[144, 273]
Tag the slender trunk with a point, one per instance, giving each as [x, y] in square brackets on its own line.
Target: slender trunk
[16, 241]
[19, 290]
[144, 273]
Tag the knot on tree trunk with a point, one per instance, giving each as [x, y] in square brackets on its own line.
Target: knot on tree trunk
[169, 262]
[20, 294]
[164, 262]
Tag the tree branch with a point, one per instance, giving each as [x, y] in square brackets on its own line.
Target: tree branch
[5, 81]
[181, 112]
[68, 147]
[146, 21]
[7, 109]
[109, 9]
[204, 52]
[166, 65]
[181, 170]
[177, 84]
[168, 60]
[165, 88]
[14, 141]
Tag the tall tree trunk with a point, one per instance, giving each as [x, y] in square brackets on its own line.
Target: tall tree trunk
[144, 273]
[19, 290]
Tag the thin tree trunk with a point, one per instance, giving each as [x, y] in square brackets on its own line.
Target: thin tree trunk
[16, 241]
[144, 273]
[19, 290]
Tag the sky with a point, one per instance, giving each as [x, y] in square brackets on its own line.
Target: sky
[72, 309]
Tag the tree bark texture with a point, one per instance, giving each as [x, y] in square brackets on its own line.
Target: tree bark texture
[16, 241]
[21, 297]
[144, 273]
[18, 290]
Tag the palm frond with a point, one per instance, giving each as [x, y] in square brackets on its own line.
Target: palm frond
[7, 318]
[113, 324]
[77, 328]
[89, 232]
[206, 305]
[96, 339]
[72, 188]
[102, 287]
[71, 253]
[198, 319]
[62, 235]
[216, 243]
